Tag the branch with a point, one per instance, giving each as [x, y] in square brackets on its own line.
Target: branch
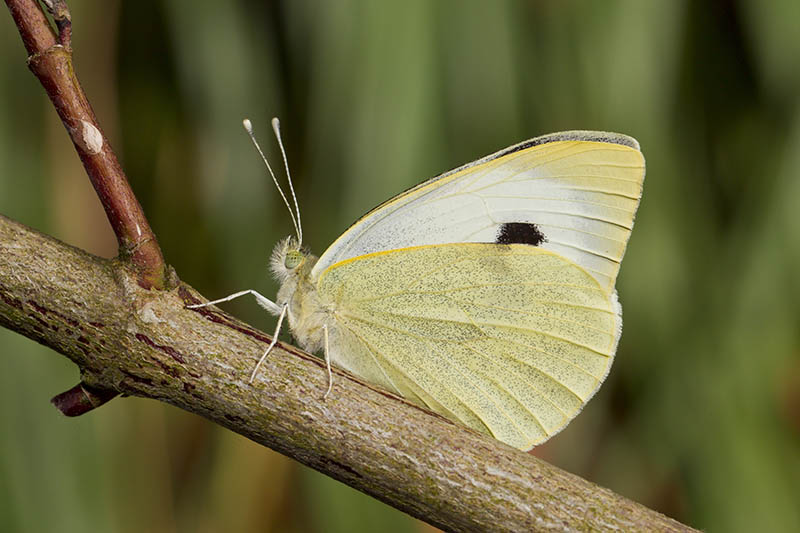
[145, 343]
[127, 339]
[50, 59]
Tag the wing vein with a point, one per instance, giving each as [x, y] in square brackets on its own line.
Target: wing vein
[448, 320]
[480, 286]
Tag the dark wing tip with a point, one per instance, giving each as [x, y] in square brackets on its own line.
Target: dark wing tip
[577, 135]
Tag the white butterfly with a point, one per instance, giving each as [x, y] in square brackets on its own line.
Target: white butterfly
[485, 294]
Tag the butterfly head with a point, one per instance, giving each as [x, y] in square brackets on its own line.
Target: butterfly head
[289, 258]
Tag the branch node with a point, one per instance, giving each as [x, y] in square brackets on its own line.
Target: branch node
[35, 57]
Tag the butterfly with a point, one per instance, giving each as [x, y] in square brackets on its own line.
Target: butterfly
[486, 294]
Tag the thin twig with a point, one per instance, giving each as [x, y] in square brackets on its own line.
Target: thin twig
[61, 16]
[51, 61]
[81, 399]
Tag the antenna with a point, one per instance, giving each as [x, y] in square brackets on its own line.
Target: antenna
[276, 127]
[248, 126]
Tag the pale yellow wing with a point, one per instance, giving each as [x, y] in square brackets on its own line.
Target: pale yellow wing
[510, 340]
[580, 189]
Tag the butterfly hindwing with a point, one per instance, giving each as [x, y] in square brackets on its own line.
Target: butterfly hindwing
[511, 339]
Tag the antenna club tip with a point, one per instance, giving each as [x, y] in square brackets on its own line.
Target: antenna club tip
[276, 123]
[247, 125]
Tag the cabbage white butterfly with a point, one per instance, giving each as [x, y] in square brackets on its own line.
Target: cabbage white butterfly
[485, 294]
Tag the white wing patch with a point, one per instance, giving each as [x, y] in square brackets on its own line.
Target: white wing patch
[580, 189]
[511, 340]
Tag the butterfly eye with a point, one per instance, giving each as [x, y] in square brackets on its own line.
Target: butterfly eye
[293, 259]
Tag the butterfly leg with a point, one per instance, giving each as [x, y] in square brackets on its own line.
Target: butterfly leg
[263, 301]
[281, 316]
[327, 362]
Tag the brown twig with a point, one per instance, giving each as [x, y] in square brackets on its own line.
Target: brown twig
[61, 16]
[145, 343]
[51, 61]
[81, 399]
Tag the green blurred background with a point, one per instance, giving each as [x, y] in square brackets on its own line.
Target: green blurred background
[700, 417]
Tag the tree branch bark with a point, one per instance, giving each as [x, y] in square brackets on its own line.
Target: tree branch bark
[145, 343]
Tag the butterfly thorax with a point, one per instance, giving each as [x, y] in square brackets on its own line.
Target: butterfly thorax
[292, 265]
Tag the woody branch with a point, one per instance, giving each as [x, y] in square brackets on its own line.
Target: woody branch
[126, 338]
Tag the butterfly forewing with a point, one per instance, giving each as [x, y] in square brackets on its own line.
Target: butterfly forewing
[511, 340]
[580, 189]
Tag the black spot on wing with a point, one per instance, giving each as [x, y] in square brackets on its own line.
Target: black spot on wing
[520, 233]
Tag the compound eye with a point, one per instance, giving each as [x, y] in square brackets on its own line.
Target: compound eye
[293, 259]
